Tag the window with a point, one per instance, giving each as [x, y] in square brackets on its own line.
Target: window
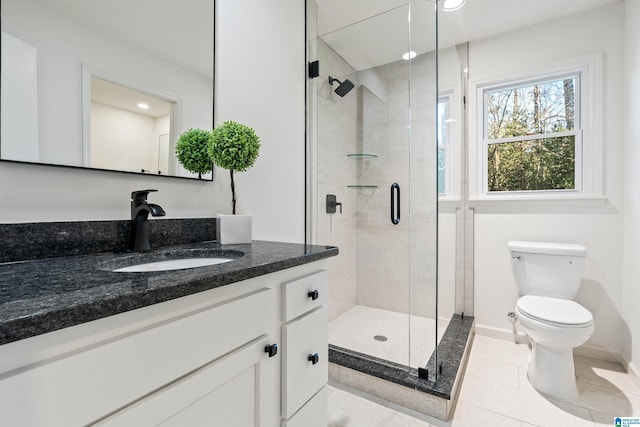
[444, 143]
[532, 137]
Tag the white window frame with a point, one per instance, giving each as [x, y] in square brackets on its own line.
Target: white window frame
[589, 141]
[454, 166]
[576, 132]
[447, 146]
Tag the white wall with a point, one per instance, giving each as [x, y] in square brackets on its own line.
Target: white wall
[597, 227]
[122, 139]
[631, 270]
[260, 81]
[20, 122]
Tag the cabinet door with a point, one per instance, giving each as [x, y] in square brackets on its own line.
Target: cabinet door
[237, 389]
[304, 359]
[312, 414]
[86, 385]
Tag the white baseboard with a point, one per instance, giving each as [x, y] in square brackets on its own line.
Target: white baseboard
[600, 354]
[632, 370]
[502, 334]
[584, 350]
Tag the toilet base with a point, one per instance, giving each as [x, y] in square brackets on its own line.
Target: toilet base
[552, 372]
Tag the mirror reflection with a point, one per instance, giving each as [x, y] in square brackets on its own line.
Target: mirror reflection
[129, 129]
[74, 73]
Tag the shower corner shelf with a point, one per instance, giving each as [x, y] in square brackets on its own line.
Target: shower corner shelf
[362, 156]
[363, 187]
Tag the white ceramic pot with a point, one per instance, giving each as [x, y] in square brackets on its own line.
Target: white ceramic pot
[233, 229]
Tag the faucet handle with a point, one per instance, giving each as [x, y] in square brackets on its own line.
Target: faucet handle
[140, 195]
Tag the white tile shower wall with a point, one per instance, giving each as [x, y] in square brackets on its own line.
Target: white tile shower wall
[404, 281]
[598, 228]
[336, 137]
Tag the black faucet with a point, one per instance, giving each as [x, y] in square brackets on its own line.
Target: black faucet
[140, 211]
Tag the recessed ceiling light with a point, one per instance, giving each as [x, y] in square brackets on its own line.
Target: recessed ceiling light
[450, 5]
[143, 106]
[409, 55]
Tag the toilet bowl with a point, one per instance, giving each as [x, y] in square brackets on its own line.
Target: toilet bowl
[548, 276]
[555, 327]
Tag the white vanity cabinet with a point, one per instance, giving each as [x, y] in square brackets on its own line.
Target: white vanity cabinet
[204, 359]
[305, 351]
[229, 391]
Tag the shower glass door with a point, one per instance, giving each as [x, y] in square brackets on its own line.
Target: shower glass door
[374, 191]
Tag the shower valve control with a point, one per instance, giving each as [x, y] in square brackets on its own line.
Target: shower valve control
[332, 204]
[271, 349]
[313, 358]
[314, 294]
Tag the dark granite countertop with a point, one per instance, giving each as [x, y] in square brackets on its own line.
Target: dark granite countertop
[40, 296]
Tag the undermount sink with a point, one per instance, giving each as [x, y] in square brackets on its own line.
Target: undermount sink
[174, 264]
[170, 259]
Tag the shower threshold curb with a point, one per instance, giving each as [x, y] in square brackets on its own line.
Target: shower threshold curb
[369, 374]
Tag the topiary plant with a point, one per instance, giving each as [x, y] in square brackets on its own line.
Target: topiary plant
[235, 147]
[192, 150]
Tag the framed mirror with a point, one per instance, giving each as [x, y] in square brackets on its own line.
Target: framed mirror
[106, 85]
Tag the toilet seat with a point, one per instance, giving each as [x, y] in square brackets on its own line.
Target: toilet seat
[554, 311]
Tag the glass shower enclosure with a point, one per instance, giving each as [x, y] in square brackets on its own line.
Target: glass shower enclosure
[373, 163]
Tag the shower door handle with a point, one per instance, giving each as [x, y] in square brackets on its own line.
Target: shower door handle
[395, 216]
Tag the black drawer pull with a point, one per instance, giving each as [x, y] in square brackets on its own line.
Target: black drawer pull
[272, 349]
[313, 358]
[314, 294]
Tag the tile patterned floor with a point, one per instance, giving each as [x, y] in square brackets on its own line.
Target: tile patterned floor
[495, 392]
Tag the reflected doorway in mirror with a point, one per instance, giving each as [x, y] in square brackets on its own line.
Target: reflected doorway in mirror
[127, 126]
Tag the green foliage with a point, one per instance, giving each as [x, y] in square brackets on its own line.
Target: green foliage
[547, 162]
[543, 164]
[234, 146]
[192, 150]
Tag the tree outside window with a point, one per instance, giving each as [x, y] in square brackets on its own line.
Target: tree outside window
[531, 135]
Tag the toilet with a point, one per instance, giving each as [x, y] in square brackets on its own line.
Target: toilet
[548, 276]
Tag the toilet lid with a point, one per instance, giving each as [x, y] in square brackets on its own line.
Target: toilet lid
[554, 310]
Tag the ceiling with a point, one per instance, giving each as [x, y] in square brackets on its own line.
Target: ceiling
[182, 31]
[125, 98]
[367, 33]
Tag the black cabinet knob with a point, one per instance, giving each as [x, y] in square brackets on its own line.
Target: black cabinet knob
[271, 349]
[314, 294]
[313, 358]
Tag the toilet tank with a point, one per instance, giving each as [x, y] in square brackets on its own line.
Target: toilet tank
[547, 269]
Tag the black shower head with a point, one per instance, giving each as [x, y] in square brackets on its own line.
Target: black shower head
[343, 88]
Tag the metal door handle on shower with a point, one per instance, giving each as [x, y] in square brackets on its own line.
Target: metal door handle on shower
[395, 216]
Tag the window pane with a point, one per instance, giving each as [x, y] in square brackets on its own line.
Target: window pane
[534, 109]
[542, 164]
[443, 121]
[442, 170]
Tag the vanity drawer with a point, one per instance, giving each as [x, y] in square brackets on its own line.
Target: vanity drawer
[312, 414]
[82, 387]
[304, 359]
[304, 294]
